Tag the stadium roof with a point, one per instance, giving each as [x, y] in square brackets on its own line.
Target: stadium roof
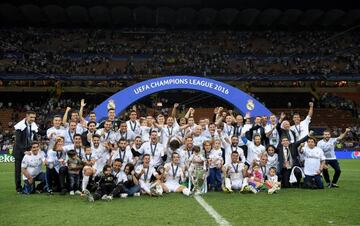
[99, 15]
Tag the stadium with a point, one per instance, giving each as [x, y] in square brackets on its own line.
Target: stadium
[193, 112]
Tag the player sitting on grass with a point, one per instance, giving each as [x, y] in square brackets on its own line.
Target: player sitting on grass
[234, 173]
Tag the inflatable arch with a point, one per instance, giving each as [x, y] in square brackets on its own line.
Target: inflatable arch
[124, 98]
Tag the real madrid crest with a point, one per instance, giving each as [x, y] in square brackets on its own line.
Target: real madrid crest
[250, 105]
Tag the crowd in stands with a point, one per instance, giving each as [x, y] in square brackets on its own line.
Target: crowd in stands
[85, 51]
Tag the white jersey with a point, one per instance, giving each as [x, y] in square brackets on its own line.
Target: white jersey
[272, 178]
[167, 132]
[229, 130]
[313, 157]
[215, 157]
[184, 155]
[235, 171]
[302, 129]
[69, 137]
[57, 159]
[174, 173]
[254, 152]
[145, 133]
[125, 156]
[120, 176]
[148, 172]
[156, 152]
[52, 133]
[101, 156]
[229, 148]
[106, 136]
[129, 136]
[274, 137]
[134, 126]
[32, 163]
[79, 150]
[273, 160]
[199, 140]
[328, 148]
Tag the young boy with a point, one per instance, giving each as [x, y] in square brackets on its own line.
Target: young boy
[272, 182]
[74, 167]
[31, 169]
[216, 162]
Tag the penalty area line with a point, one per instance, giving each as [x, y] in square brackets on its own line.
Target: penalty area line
[218, 218]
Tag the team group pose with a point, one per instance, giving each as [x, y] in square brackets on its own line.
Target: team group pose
[153, 155]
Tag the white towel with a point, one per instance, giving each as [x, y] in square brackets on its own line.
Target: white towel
[22, 125]
[292, 176]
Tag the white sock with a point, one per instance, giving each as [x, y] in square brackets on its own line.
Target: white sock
[186, 191]
[85, 182]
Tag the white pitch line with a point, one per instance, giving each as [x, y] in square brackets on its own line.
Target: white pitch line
[218, 218]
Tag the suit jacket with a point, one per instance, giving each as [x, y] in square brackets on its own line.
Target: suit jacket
[21, 137]
[293, 148]
[249, 134]
[84, 140]
[285, 132]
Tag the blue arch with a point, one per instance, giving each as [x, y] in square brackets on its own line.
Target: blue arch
[124, 98]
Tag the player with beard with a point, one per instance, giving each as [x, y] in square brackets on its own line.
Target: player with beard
[123, 152]
[232, 146]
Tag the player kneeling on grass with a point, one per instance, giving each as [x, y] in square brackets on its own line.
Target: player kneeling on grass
[74, 166]
[197, 170]
[173, 174]
[31, 169]
[234, 173]
[144, 173]
[313, 165]
[105, 184]
[272, 182]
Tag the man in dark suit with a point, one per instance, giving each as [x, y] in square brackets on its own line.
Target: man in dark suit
[87, 135]
[288, 157]
[25, 134]
[257, 128]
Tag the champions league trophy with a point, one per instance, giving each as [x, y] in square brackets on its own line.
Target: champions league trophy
[111, 104]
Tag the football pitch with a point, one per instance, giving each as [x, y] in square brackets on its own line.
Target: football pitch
[288, 207]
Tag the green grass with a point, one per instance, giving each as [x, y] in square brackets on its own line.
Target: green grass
[288, 207]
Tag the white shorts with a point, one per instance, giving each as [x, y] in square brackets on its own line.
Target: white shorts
[172, 185]
[236, 184]
[145, 186]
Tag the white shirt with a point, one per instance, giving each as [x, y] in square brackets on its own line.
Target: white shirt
[106, 136]
[215, 157]
[272, 178]
[126, 156]
[155, 151]
[302, 129]
[129, 136]
[174, 173]
[235, 171]
[229, 148]
[101, 156]
[274, 137]
[229, 130]
[254, 152]
[58, 159]
[69, 137]
[120, 176]
[148, 172]
[32, 163]
[167, 131]
[58, 132]
[313, 157]
[134, 126]
[199, 140]
[328, 148]
[273, 161]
